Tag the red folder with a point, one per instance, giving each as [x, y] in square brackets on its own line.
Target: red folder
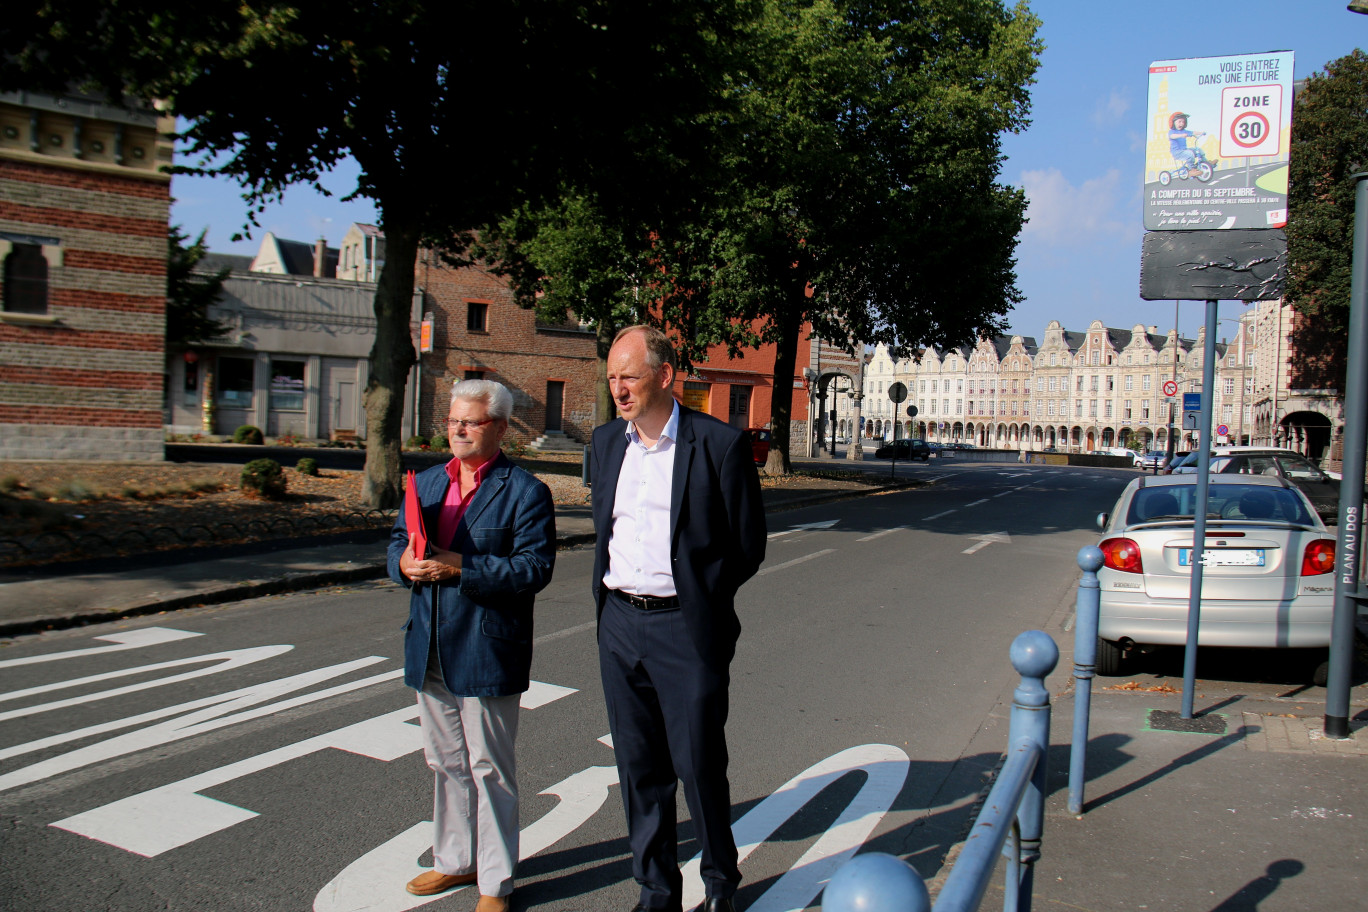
[413, 517]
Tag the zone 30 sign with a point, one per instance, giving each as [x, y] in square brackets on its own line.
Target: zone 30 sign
[1217, 142]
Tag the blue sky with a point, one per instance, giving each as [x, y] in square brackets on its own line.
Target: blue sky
[1081, 161]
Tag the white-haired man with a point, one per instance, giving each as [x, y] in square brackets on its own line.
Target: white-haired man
[468, 642]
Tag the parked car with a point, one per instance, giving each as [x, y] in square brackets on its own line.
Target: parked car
[1319, 488]
[961, 445]
[1150, 459]
[760, 444]
[1168, 467]
[1269, 567]
[904, 449]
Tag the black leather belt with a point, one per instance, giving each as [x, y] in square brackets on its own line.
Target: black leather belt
[647, 602]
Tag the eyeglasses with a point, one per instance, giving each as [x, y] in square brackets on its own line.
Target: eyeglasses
[468, 423]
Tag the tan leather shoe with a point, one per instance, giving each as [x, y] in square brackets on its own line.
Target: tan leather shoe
[492, 904]
[432, 882]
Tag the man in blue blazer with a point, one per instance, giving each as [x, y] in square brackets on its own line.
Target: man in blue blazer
[468, 641]
[677, 509]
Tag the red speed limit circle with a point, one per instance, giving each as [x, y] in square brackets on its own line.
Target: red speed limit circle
[1249, 129]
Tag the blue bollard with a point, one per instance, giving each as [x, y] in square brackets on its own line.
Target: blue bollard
[1034, 655]
[1086, 609]
[876, 882]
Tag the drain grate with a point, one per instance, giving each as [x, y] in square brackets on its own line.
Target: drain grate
[1171, 721]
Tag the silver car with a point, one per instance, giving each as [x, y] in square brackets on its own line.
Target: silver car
[1268, 577]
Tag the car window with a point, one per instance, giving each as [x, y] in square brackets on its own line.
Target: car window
[1237, 501]
[1299, 468]
[1258, 465]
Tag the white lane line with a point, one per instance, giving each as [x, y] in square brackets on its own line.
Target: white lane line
[773, 535]
[881, 534]
[979, 547]
[937, 516]
[1004, 493]
[796, 560]
[948, 475]
[977, 502]
[568, 631]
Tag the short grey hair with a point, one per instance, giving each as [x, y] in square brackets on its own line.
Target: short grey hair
[495, 395]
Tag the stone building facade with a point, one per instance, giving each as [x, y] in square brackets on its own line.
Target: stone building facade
[1080, 391]
[84, 204]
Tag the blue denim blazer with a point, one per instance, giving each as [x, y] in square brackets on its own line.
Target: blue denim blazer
[507, 543]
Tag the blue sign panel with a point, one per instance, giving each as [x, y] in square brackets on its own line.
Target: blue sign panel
[1192, 402]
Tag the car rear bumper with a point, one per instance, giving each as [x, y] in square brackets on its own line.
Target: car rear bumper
[1163, 622]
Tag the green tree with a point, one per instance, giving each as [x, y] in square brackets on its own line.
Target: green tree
[859, 144]
[189, 294]
[457, 112]
[1329, 146]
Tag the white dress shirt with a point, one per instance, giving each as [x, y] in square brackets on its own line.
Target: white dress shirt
[639, 547]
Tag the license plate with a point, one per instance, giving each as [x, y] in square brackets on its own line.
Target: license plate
[1224, 557]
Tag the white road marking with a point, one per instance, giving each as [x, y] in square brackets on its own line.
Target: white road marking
[803, 527]
[1000, 538]
[164, 818]
[937, 516]
[225, 661]
[881, 534]
[375, 881]
[561, 634]
[128, 639]
[885, 767]
[977, 502]
[796, 560]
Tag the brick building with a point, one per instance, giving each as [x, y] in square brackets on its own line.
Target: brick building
[479, 331]
[84, 205]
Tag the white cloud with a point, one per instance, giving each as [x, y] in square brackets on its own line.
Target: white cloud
[1111, 109]
[1060, 213]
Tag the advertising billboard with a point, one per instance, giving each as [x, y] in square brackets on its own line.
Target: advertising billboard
[1216, 143]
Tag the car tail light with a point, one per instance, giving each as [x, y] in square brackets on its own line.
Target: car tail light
[1319, 557]
[1122, 554]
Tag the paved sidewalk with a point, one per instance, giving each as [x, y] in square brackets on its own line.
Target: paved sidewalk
[1264, 813]
[63, 595]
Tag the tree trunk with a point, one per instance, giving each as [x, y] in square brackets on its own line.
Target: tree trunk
[790, 324]
[606, 410]
[390, 360]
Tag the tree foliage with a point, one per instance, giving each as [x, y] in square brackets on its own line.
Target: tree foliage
[457, 112]
[1329, 146]
[859, 144]
[189, 294]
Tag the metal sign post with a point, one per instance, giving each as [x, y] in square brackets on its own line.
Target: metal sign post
[897, 393]
[1349, 538]
[1199, 512]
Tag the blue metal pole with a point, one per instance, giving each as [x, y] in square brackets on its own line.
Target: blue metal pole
[1199, 510]
[1349, 543]
[1087, 607]
[1034, 655]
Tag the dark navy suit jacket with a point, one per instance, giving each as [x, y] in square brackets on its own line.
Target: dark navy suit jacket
[507, 543]
[717, 523]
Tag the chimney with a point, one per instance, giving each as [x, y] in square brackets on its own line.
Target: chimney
[320, 257]
[1153, 330]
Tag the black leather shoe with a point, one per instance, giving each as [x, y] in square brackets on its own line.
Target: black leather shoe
[717, 904]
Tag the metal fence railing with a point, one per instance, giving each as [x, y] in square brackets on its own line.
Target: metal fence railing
[1010, 823]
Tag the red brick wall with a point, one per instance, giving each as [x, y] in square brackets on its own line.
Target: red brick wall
[86, 382]
[514, 351]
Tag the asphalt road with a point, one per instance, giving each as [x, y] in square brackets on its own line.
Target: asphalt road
[263, 755]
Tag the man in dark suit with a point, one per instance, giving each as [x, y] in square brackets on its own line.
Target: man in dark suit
[676, 502]
[468, 641]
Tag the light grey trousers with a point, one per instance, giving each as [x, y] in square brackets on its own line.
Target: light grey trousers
[468, 742]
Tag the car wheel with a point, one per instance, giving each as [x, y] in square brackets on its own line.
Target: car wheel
[1321, 676]
[1110, 658]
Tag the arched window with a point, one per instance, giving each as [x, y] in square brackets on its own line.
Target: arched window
[26, 280]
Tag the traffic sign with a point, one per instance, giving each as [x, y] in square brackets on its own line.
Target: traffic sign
[1170, 388]
[897, 392]
[1222, 430]
[1192, 402]
[1251, 120]
[911, 411]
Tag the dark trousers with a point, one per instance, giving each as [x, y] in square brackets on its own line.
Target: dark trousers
[668, 714]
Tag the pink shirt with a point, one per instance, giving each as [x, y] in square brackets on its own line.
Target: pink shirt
[454, 507]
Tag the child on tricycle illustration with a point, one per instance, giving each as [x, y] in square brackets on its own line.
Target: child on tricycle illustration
[1191, 160]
